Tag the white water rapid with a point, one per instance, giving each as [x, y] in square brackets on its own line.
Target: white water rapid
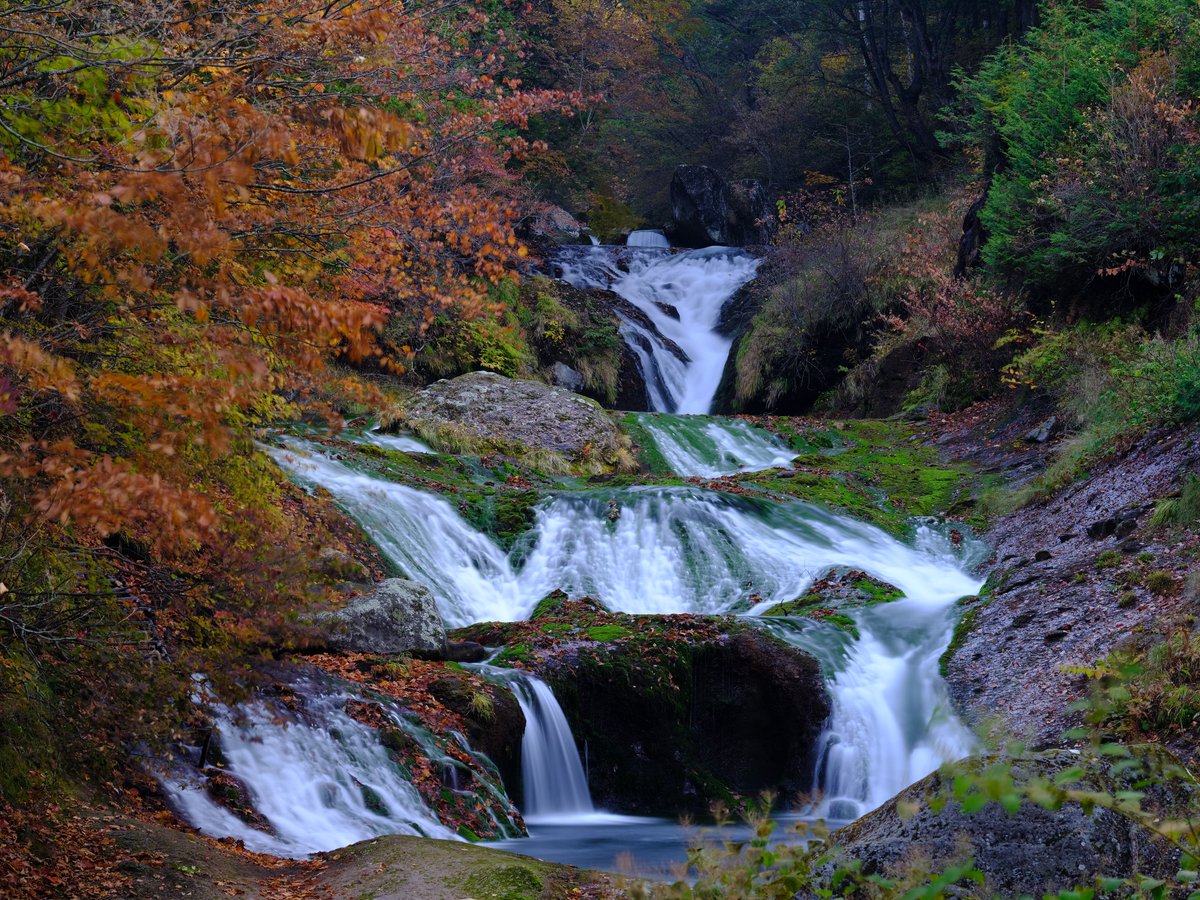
[320, 779]
[711, 447]
[671, 549]
[682, 294]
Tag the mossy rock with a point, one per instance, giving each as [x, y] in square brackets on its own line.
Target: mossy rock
[841, 590]
[514, 882]
[880, 472]
[400, 867]
[676, 711]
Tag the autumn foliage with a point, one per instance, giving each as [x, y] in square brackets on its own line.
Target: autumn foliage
[210, 211]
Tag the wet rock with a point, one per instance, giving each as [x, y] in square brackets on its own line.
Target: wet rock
[1042, 556]
[524, 415]
[396, 616]
[708, 210]
[230, 792]
[465, 652]
[564, 376]
[839, 590]
[672, 712]
[1043, 431]
[1033, 852]
[495, 723]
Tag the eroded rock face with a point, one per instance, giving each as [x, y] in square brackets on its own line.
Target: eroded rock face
[523, 414]
[700, 206]
[675, 711]
[1033, 851]
[395, 616]
[709, 210]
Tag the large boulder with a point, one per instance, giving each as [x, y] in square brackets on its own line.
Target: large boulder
[675, 712]
[751, 218]
[706, 209]
[699, 206]
[395, 616]
[1033, 851]
[516, 416]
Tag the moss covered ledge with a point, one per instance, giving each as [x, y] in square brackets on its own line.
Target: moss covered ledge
[673, 712]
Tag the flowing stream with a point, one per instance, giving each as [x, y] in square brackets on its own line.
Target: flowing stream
[318, 778]
[642, 549]
[682, 295]
[711, 446]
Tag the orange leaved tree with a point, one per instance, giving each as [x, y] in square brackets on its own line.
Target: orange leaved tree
[202, 205]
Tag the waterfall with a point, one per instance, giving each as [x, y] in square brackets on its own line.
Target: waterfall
[670, 550]
[676, 549]
[654, 239]
[405, 442]
[318, 777]
[892, 722]
[711, 447]
[555, 785]
[682, 294]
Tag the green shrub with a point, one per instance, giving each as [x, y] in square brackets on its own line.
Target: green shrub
[1162, 583]
[1100, 169]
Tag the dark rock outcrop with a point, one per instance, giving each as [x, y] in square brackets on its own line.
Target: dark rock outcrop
[494, 727]
[672, 713]
[751, 217]
[395, 616]
[580, 329]
[1032, 851]
[699, 206]
[707, 210]
[510, 413]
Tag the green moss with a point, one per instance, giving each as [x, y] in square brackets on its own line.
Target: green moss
[961, 630]
[513, 654]
[877, 471]
[513, 882]
[801, 606]
[649, 458]
[1108, 559]
[1162, 583]
[608, 632]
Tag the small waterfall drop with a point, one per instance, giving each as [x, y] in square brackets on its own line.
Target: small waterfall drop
[682, 294]
[892, 722]
[405, 442]
[648, 238]
[712, 447]
[319, 778]
[555, 784]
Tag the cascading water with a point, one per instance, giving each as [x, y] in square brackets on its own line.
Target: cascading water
[319, 778]
[648, 238]
[682, 549]
[555, 784]
[682, 294]
[670, 549]
[711, 447]
[405, 442]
